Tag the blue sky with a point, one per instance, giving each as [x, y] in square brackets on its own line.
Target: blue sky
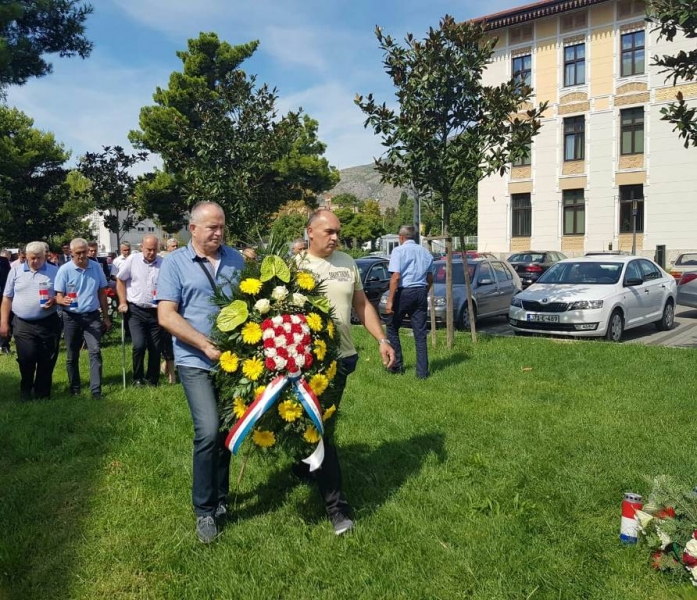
[318, 53]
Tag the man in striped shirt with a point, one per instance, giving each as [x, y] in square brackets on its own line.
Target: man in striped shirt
[29, 293]
[136, 286]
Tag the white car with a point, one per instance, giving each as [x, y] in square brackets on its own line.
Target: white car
[596, 296]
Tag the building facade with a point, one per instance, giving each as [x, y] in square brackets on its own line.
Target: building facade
[108, 243]
[605, 173]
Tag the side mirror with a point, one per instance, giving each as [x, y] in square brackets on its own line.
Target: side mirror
[373, 278]
[485, 281]
[633, 281]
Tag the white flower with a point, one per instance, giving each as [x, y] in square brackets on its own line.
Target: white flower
[665, 540]
[300, 360]
[298, 337]
[292, 350]
[691, 548]
[280, 362]
[277, 320]
[270, 352]
[299, 301]
[262, 306]
[693, 574]
[295, 318]
[279, 293]
[280, 342]
[287, 327]
[643, 518]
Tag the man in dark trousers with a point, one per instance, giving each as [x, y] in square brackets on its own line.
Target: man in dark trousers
[136, 286]
[4, 272]
[411, 279]
[29, 294]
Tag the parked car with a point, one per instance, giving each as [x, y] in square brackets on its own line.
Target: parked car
[596, 296]
[531, 264]
[494, 283]
[609, 253]
[375, 278]
[687, 290]
[684, 263]
[475, 254]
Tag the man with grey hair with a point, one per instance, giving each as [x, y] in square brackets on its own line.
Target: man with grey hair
[299, 245]
[29, 294]
[188, 278]
[411, 279]
[125, 248]
[136, 286]
[81, 292]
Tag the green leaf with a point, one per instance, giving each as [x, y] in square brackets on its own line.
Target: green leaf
[274, 266]
[320, 303]
[232, 316]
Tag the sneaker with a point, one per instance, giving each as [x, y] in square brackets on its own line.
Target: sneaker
[341, 523]
[206, 529]
[221, 513]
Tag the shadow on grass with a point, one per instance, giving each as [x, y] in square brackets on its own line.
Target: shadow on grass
[439, 363]
[52, 459]
[371, 476]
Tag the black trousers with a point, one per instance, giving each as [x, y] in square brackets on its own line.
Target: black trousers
[411, 302]
[37, 351]
[146, 335]
[87, 327]
[328, 476]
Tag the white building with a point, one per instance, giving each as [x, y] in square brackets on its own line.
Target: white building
[602, 151]
[108, 243]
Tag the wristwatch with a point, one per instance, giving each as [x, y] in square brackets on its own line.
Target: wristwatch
[384, 341]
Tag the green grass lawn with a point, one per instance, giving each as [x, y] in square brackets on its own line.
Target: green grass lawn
[501, 476]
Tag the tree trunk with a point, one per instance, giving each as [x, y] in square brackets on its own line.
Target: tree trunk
[449, 320]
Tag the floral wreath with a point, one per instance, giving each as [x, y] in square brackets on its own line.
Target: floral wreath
[279, 349]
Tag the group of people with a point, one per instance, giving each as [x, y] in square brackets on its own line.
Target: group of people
[172, 297]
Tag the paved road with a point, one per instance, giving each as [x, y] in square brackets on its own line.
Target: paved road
[683, 334]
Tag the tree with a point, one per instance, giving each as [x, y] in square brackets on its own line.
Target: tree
[450, 127]
[289, 222]
[35, 200]
[113, 187]
[675, 16]
[159, 197]
[29, 30]
[220, 137]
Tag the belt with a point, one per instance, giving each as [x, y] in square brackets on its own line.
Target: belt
[414, 287]
[143, 306]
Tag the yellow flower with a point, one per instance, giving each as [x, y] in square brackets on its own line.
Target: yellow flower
[290, 410]
[331, 371]
[250, 286]
[264, 439]
[319, 383]
[239, 407]
[329, 412]
[314, 322]
[320, 349]
[311, 435]
[252, 368]
[330, 329]
[229, 361]
[306, 281]
[251, 333]
[258, 391]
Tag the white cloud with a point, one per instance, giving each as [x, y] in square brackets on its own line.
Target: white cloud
[295, 46]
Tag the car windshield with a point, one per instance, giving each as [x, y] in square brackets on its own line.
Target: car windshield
[527, 257]
[687, 260]
[593, 273]
[458, 273]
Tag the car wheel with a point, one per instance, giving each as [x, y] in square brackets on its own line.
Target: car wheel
[668, 317]
[615, 327]
[463, 322]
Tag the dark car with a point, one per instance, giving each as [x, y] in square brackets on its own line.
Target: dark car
[375, 278]
[531, 264]
[474, 254]
[494, 283]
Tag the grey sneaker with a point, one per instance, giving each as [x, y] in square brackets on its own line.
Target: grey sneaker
[206, 529]
[220, 514]
[341, 523]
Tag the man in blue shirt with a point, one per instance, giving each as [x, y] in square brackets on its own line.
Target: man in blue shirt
[187, 280]
[81, 293]
[30, 295]
[410, 265]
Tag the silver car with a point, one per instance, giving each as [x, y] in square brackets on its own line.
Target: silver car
[687, 290]
[494, 283]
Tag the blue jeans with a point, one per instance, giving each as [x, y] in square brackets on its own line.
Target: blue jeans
[211, 457]
[76, 328]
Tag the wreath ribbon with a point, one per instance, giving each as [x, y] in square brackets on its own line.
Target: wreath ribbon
[266, 400]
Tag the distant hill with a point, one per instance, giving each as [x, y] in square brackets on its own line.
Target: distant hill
[364, 182]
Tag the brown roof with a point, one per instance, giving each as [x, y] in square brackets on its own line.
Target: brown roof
[536, 10]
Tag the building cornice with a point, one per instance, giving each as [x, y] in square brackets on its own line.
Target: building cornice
[530, 12]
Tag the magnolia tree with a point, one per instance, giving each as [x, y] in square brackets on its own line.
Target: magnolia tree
[450, 130]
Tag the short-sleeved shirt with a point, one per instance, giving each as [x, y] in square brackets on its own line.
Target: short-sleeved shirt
[412, 262]
[140, 278]
[341, 280]
[23, 287]
[86, 282]
[182, 280]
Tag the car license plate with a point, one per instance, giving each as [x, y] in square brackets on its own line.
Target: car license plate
[543, 318]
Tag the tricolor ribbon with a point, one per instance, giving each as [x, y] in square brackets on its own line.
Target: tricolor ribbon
[266, 400]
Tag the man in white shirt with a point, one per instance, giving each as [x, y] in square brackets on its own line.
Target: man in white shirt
[136, 286]
[121, 258]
